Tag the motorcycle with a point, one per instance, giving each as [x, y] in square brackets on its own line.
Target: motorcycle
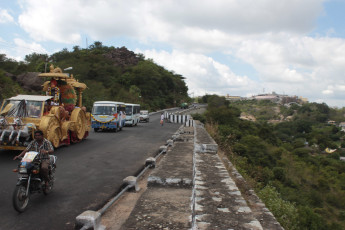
[30, 181]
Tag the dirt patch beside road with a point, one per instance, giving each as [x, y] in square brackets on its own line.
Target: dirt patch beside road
[119, 212]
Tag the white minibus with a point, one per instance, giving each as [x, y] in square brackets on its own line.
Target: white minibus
[108, 115]
[132, 114]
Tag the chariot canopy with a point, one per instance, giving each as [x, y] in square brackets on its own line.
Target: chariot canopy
[30, 98]
[57, 74]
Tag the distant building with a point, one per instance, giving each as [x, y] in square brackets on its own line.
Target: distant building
[285, 99]
[274, 97]
[303, 99]
[331, 122]
[270, 97]
[233, 98]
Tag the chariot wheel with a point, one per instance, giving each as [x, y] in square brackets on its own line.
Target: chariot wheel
[54, 135]
[79, 118]
[50, 126]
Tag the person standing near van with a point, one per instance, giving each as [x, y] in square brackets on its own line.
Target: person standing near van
[162, 119]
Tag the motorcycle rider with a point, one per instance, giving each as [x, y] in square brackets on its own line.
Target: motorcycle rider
[44, 148]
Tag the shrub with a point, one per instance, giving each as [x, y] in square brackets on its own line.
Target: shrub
[342, 152]
[223, 115]
[341, 215]
[279, 173]
[199, 117]
[285, 211]
[323, 184]
[335, 156]
[308, 219]
[299, 143]
[301, 152]
[240, 149]
[315, 198]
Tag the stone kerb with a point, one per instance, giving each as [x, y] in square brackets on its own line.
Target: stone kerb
[163, 149]
[170, 142]
[132, 181]
[89, 220]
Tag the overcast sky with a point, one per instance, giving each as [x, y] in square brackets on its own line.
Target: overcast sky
[235, 47]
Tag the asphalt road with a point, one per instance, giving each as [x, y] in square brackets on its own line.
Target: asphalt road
[88, 174]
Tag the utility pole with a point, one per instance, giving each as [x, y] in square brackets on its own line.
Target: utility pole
[45, 65]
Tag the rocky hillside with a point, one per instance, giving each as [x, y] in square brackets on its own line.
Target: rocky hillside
[29, 81]
[122, 57]
[110, 73]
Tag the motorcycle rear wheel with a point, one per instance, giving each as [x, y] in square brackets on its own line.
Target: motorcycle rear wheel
[47, 190]
[19, 200]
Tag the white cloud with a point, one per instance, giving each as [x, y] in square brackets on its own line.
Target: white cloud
[270, 36]
[65, 21]
[19, 48]
[5, 16]
[297, 64]
[243, 16]
[327, 91]
[35, 47]
[202, 73]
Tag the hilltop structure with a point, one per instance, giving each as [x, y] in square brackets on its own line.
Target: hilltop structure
[274, 97]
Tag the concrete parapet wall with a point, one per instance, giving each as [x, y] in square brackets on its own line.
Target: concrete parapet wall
[267, 220]
[219, 203]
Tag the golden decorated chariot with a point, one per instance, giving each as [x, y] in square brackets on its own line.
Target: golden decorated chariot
[59, 114]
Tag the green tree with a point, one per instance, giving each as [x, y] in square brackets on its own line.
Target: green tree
[215, 101]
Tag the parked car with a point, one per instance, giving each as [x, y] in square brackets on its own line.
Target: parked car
[144, 116]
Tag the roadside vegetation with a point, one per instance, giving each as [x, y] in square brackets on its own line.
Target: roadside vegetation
[282, 155]
[110, 73]
[8, 86]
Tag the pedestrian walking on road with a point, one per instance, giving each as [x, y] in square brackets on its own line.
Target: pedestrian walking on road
[162, 119]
